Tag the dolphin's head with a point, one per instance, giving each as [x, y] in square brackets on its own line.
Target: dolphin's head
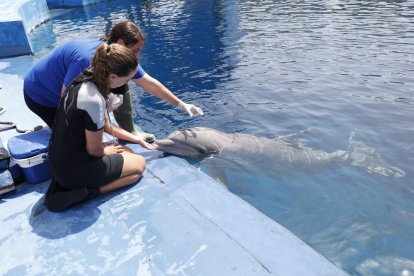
[193, 142]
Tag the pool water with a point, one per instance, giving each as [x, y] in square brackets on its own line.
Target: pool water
[273, 68]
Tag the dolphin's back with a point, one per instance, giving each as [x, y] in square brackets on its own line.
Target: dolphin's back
[279, 149]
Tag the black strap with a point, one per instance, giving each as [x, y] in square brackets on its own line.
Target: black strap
[8, 125]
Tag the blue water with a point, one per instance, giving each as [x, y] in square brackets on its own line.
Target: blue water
[272, 68]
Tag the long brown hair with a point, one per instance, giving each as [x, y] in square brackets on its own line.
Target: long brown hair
[110, 59]
[130, 33]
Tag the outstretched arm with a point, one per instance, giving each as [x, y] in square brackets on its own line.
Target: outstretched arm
[124, 135]
[157, 89]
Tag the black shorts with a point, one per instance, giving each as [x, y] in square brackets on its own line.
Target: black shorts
[89, 171]
[47, 114]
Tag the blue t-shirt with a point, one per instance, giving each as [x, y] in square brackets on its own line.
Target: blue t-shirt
[43, 83]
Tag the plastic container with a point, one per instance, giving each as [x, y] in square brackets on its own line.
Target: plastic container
[29, 151]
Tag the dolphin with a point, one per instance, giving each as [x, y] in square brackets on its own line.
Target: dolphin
[201, 142]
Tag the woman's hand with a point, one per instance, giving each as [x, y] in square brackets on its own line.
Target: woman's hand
[111, 147]
[146, 145]
[191, 109]
[114, 102]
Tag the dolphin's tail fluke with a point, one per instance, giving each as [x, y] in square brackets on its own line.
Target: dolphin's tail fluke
[361, 155]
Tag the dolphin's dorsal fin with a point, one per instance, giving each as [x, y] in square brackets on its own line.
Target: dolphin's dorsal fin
[294, 137]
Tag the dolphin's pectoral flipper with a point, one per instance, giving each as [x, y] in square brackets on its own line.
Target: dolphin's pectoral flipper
[361, 155]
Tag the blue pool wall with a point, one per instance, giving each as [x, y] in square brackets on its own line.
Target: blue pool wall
[19, 19]
[56, 4]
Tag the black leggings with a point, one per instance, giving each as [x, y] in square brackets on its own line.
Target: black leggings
[89, 172]
[47, 114]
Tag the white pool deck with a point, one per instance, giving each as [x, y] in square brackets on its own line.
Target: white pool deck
[175, 221]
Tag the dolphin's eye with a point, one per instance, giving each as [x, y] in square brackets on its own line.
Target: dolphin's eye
[202, 150]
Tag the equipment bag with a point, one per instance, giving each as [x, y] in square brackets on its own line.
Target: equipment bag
[6, 163]
[6, 182]
[4, 157]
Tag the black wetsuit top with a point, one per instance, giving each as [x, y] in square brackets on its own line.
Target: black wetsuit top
[81, 108]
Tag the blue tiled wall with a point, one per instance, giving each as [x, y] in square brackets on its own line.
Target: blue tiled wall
[15, 27]
[13, 39]
[53, 4]
[17, 22]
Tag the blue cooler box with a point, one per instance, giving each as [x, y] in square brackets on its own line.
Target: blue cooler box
[29, 151]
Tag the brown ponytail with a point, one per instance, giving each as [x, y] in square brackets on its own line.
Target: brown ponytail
[110, 59]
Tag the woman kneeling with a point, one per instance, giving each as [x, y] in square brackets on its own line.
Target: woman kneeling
[82, 165]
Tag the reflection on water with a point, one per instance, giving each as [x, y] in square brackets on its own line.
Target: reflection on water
[271, 68]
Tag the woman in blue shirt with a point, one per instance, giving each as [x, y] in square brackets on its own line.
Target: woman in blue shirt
[48, 78]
